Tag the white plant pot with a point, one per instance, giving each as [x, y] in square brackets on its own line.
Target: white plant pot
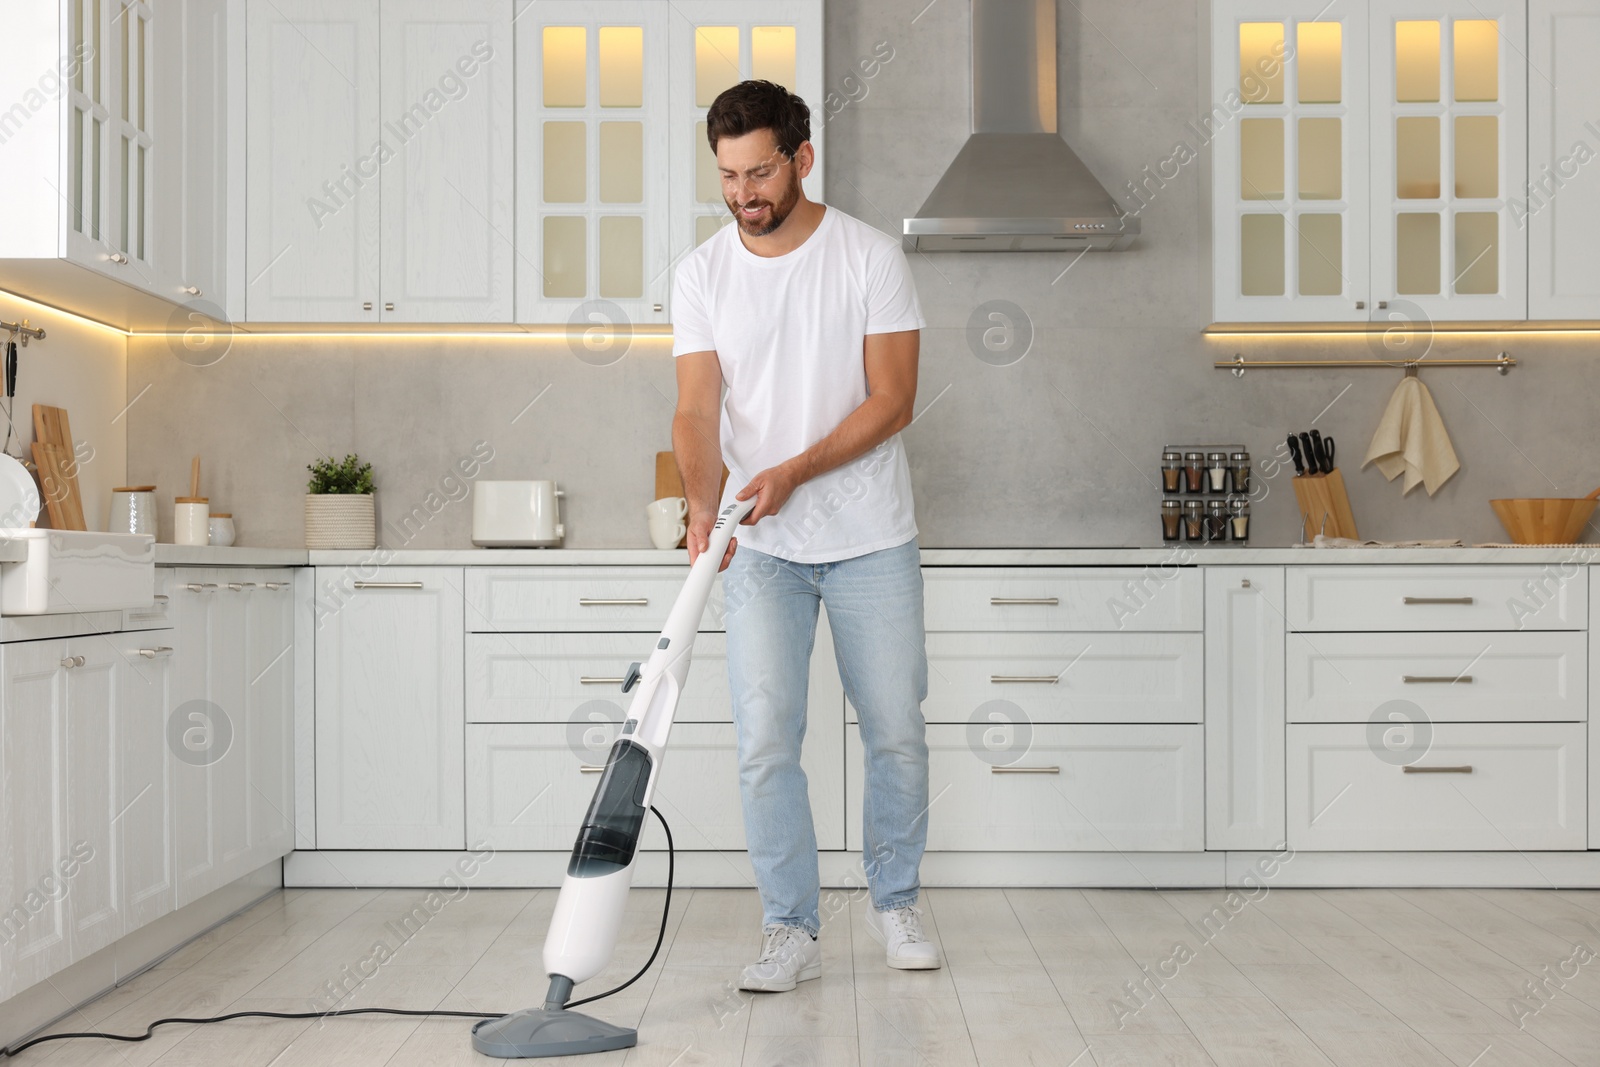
[340, 520]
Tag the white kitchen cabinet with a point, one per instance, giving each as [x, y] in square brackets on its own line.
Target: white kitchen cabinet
[230, 793]
[1476, 787]
[611, 599]
[1066, 788]
[1290, 160]
[145, 823]
[312, 130]
[1434, 598]
[35, 941]
[592, 188]
[1244, 707]
[390, 719]
[1449, 152]
[90, 747]
[714, 44]
[380, 147]
[445, 104]
[193, 204]
[1367, 155]
[1143, 599]
[1560, 207]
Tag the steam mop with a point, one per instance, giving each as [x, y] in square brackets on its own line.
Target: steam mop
[588, 914]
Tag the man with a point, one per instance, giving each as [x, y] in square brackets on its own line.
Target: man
[810, 319]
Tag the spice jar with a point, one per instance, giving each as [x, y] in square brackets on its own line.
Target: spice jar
[1171, 472]
[1239, 464]
[1171, 519]
[1194, 471]
[1240, 507]
[1194, 520]
[1217, 471]
[1216, 520]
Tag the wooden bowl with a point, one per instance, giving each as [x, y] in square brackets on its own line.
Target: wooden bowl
[1544, 520]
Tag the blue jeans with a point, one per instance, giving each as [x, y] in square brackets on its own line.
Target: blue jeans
[874, 607]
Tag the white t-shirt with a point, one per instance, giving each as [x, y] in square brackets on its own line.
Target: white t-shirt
[788, 331]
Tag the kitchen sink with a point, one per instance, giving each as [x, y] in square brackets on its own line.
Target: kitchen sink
[71, 571]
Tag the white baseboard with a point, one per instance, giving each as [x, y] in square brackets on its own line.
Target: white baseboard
[40, 1005]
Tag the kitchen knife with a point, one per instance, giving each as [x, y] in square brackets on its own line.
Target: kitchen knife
[1318, 457]
[1312, 466]
[1294, 451]
[11, 368]
[1327, 455]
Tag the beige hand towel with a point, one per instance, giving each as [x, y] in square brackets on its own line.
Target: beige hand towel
[1411, 440]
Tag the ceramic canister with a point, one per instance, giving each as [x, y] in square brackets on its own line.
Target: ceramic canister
[133, 510]
[191, 517]
[220, 528]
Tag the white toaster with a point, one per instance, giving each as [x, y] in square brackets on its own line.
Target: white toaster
[516, 515]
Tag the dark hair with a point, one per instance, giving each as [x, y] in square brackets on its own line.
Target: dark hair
[760, 105]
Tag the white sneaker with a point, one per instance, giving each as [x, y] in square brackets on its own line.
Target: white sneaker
[789, 956]
[899, 930]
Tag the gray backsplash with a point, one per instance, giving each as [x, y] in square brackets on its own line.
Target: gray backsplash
[1060, 448]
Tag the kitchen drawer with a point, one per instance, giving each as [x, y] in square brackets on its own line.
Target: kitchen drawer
[604, 599]
[153, 617]
[1062, 598]
[1452, 677]
[527, 787]
[1058, 678]
[1525, 790]
[1072, 788]
[1489, 597]
[550, 677]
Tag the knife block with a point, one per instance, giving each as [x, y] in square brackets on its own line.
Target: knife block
[1324, 505]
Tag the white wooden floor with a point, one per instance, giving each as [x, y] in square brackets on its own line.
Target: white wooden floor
[1352, 977]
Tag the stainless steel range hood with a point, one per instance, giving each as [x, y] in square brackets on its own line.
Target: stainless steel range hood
[1016, 186]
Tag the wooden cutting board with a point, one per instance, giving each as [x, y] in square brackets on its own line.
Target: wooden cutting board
[57, 465]
[668, 483]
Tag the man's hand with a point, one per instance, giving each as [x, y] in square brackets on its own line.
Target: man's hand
[699, 539]
[772, 488]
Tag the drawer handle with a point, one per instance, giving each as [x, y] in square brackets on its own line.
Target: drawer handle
[590, 769]
[161, 598]
[1008, 679]
[1436, 600]
[282, 585]
[241, 586]
[585, 679]
[200, 587]
[1433, 679]
[156, 653]
[613, 602]
[1005, 601]
[1465, 768]
[1024, 770]
[388, 585]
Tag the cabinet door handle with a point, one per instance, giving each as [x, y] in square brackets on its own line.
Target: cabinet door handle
[1024, 770]
[589, 769]
[366, 305]
[161, 598]
[192, 290]
[158, 652]
[388, 585]
[1436, 600]
[1465, 768]
[1432, 679]
[70, 662]
[118, 258]
[587, 680]
[1031, 679]
[200, 587]
[613, 602]
[388, 306]
[1004, 601]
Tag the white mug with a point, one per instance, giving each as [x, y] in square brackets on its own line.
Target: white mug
[668, 507]
[666, 532]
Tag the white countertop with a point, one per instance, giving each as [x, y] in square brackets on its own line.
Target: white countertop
[1129, 556]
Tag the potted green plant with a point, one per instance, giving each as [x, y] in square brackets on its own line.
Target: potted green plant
[339, 504]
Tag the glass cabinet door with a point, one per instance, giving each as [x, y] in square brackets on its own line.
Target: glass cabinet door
[1449, 152]
[1288, 128]
[89, 99]
[716, 44]
[592, 141]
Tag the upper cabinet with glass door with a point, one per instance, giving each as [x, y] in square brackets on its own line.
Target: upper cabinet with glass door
[716, 44]
[1449, 152]
[592, 195]
[1289, 126]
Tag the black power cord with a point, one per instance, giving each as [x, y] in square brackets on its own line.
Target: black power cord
[149, 1031]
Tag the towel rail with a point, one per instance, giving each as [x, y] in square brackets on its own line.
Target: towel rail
[1238, 364]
